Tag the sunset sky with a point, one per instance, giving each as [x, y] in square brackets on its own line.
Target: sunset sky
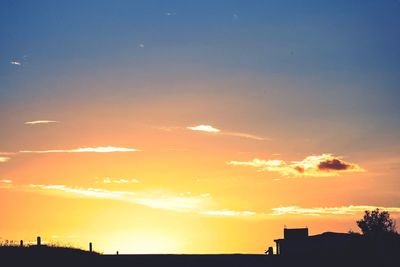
[196, 126]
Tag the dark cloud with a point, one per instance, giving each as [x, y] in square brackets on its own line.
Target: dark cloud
[334, 164]
[314, 165]
[299, 169]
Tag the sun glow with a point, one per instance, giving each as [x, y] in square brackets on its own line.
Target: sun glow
[144, 242]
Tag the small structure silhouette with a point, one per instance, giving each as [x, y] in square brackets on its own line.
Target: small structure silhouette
[90, 247]
[38, 241]
[291, 238]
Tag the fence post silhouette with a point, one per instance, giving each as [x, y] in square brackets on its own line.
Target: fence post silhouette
[90, 247]
[38, 241]
[21, 243]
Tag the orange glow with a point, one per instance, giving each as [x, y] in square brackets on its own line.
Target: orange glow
[136, 180]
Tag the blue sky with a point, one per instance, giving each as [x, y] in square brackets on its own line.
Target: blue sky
[344, 54]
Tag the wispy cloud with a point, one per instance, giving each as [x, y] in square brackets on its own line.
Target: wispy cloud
[4, 159]
[101, 149]
[153, 199]
[213, 130]
[7, 153]
[296, 210]
[178, 202]
[244, 135]
[119, 181]
[204, 128]
[320, 165]
[6, 184]
[229, 213]
[188, 202]
[86, 192]
[16, 62]
[170, 13]
[40, 122]
[318, 211]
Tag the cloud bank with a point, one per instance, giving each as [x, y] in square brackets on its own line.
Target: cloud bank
[343, 210]
[320, 165]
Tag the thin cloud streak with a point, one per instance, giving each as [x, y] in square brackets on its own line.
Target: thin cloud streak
[183, 202]
[213, 130]
[204, 128]
[318, 211]
[229, 213]
[15, 62]
[40, 122]
[314, 166]
[102, 149]
[153, 199]
[7, 153]
[86, 192]
[201, 204]
[244, 135]
[119, 181]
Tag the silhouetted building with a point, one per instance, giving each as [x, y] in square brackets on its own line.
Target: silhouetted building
[292, 238]
[295, 233]
[298, 242]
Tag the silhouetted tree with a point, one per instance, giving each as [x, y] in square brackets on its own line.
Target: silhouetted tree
[376, 222]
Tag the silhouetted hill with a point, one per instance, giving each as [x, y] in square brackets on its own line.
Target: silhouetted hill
[44, 256]
[44, 250]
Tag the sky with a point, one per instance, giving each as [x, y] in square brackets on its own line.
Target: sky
[196, 126]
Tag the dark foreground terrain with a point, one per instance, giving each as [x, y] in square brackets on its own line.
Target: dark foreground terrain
[52, 256]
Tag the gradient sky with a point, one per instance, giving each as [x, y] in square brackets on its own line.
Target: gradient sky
[196, 126]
